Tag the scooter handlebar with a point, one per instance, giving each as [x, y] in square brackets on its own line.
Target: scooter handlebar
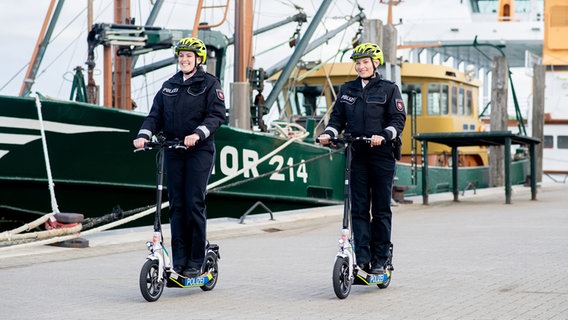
[347, 139]
[150, 145]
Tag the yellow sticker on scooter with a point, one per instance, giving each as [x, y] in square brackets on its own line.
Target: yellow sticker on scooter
[183, 282]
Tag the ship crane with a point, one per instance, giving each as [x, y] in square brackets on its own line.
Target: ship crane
[134, 40]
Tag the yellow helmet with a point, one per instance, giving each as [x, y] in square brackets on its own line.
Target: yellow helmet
[192, 44]
[370, 50]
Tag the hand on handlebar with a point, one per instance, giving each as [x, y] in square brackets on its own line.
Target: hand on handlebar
[323, 139]
[139, 143]
[191, 140]
[376, 140]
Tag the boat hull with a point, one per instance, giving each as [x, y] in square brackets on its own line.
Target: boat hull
[95, 169]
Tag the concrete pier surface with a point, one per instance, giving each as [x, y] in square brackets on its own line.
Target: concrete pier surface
[478, 258]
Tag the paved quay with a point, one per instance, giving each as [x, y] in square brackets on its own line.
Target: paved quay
[476, 259]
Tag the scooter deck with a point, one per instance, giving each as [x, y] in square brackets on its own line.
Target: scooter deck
[178, 281]
[364, 278]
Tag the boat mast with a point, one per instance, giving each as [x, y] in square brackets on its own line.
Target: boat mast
[92, 88]
[122, 63]
[240, 88]
[41, 46]
[300, 49]
[243, 39]
[391, 3]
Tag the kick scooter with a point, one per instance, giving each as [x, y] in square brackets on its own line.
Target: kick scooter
[346, 272]
[157, 272]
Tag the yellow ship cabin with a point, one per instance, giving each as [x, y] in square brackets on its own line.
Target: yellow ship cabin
[437, 99]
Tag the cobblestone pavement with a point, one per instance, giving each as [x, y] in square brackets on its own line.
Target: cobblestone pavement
[476, 259]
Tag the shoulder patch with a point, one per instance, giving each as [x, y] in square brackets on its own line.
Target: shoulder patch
[399, 105]
[220, 94]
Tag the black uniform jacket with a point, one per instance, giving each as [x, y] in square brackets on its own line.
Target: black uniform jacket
[377, 109]
[181, 108]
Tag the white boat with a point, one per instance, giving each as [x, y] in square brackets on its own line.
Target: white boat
[478, 30]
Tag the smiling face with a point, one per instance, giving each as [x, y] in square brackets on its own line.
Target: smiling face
[187, 61]
[364, 67]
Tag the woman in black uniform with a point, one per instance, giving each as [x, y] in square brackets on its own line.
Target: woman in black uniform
[372, 107]
[190, 107]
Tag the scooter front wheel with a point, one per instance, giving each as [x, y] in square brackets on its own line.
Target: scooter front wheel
[341, 277]
[151, 286]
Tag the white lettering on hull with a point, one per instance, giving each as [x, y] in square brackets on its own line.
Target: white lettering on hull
[231, 160]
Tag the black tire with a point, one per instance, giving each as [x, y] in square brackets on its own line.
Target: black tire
[341, 282]
[389, 268]
[211, 265]
[151, 286]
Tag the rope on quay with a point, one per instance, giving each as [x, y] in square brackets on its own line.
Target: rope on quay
[82, 234]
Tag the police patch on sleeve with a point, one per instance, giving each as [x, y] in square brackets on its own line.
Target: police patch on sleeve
[220, 94]
[399, 105]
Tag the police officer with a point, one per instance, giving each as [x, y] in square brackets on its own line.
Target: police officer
[190, 107]
[372, 107]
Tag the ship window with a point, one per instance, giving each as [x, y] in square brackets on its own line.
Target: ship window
[468, 102]
[410, 90]
[559, 16]
[437, 99]
[444, 99]
[454, 100]
[460, 101]
[562, 142]
[491, 6]
[331, 96]
[548, 142]
[308, 101]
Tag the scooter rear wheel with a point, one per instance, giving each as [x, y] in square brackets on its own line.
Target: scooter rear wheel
[212, 266]
[151, 286]
[341, 282]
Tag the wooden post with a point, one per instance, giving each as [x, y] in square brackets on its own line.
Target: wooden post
[538, 115]
[389, 44]
[425, 185]
[508, 189]
[499, 117]
[239, 112]
[383, 35]
[455, 164]
[373, 32]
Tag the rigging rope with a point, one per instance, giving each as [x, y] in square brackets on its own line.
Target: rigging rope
[54, 205]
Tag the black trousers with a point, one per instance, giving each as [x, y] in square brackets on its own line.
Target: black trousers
[372, 174]
[188, 173]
